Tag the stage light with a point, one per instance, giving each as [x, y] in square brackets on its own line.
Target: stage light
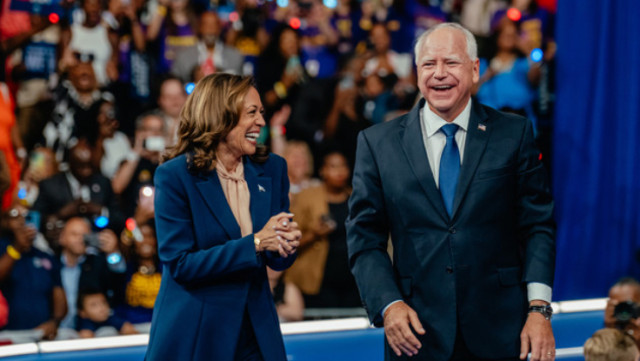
[294, 23]
[514, 14]
[331, 4]
[114, 258]
[189, 87]
[131, 224]
[536, 55]
[54, 18]
[233, 17]
[22, 193]
[282, 3]
[101, 222]
[540, 156]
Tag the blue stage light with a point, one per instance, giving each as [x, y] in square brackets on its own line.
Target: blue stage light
[101, 222]
[282, 3]
[189, 87]
[331, 4]
[536, 55]
[114, 258]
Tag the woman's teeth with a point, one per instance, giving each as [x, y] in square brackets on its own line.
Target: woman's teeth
[252, 136]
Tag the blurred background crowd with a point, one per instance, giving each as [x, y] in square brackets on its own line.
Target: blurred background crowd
[90, 96]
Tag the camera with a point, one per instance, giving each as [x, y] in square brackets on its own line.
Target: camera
[626, 311]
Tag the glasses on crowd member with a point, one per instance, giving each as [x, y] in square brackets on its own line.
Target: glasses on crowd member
[15, 212]
[83, 57]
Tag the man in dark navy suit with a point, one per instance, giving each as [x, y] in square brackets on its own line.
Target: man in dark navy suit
[460, 190]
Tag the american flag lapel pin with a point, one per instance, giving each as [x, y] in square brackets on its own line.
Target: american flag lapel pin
[261, 188]
[482, 127]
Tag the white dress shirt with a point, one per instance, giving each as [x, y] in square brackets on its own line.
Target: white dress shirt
[435, 140]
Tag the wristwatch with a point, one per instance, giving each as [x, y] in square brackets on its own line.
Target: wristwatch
[546, 311]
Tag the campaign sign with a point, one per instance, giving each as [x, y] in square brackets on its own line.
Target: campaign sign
[39, 59]
[38, 7]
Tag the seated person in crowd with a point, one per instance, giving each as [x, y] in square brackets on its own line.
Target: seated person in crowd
[95, 313]
[321, 270]
[610, 345]
[29, 278]
[80, 191]
[138, 170]
[112, 146]
[170, 101]
[144, 273]
[75, 116]
[210, 54]
[624, 296]
[84, 265]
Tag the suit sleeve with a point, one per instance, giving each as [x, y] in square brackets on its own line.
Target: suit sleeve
[177, 248]
[535, 213]
[274, 261]
[367, 235]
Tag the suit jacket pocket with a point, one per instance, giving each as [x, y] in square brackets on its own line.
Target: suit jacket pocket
[509, 276]
[406, 288]
[497, 172]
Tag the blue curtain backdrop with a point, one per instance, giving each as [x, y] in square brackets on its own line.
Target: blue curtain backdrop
[596, 155]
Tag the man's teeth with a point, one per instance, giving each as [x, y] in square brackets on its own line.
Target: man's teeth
[443, 87]
[252, 136]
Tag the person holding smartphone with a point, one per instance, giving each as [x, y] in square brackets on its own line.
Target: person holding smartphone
[138, 169]
[321, 271]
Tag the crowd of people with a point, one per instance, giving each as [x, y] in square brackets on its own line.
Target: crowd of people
[91, 99]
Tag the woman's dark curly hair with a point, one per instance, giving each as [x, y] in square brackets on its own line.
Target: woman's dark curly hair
[208, 115]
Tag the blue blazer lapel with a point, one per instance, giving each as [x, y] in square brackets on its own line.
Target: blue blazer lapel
[412, 144]
[211, 190]
[476, 143]
[260, 190]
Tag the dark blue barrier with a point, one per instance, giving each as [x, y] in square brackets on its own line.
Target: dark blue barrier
[571, 330]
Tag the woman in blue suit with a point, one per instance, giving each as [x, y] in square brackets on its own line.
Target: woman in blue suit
[221, 219]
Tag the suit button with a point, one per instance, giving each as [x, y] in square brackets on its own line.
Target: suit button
[452, 230]
[449, 269]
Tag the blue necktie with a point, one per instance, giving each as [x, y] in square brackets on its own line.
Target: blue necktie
[449, 167]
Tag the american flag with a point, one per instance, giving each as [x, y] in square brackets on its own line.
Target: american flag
[482, 127]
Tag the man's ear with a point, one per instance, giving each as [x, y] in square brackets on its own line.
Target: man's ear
[476, 71]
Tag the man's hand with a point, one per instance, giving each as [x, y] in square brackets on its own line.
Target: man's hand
[399, 318]
[49, 330]
[537, 338]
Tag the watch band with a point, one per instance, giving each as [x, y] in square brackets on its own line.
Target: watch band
[546, 311]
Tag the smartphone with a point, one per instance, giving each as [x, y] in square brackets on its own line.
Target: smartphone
[92, 240]
[346, 82]
[145, 198]
[154, 144]
[33, 219]
[329, 221]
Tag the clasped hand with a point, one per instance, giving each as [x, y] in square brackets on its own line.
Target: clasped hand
[280, 234]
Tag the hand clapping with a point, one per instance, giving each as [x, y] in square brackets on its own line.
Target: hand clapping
[280, 234]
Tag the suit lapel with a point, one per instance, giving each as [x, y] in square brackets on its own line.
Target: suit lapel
[412, 144]
[260, 190]
[211, 191]
[477, 136]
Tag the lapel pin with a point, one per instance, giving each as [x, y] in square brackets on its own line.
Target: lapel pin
[261, 188]
[482, 127]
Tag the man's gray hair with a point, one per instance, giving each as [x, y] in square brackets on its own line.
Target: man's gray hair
[472, 46]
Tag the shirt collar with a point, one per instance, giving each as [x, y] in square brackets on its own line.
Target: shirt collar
[433, 122]
[63, 260]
